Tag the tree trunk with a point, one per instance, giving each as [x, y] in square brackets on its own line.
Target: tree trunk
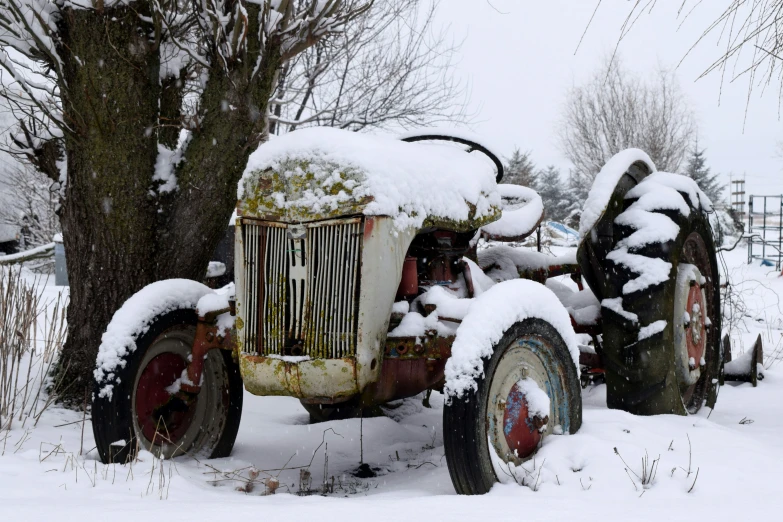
[119, 234]
[112, 97]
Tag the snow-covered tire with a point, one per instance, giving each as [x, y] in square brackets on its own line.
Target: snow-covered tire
[644, 325]
[476, 453]
[124, 422]
[599, 240]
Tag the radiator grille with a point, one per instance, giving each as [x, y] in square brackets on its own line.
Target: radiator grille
[300, 288]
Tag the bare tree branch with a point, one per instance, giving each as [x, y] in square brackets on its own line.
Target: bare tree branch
[616, 110]
[389, 67]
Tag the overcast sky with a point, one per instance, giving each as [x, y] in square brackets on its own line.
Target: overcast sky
[520, 63]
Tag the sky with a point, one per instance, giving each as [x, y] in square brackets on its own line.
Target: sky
[518, 58]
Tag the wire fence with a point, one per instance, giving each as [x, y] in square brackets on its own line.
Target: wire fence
[765, 230]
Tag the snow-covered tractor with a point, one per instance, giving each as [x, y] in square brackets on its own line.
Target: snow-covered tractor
[370, 269]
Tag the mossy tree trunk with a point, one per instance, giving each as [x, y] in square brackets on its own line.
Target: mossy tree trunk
[119, 233]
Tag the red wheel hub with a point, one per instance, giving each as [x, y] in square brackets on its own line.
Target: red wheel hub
[521, 432]
[696, 334]
[152, 396]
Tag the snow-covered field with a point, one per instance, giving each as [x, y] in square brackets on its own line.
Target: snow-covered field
[721, 465]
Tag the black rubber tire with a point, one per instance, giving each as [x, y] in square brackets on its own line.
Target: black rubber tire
[112, 417]
[465, 419]
[595, 246]
[641, 375]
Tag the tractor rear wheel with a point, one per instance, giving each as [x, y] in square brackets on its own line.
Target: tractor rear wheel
[661, 339]
[530, 390]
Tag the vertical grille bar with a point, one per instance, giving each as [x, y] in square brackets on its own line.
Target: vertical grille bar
[301, 290]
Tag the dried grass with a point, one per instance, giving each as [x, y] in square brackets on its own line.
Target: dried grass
[31, 336]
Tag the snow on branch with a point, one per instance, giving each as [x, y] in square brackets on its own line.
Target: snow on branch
[28, 53]
[318, 20]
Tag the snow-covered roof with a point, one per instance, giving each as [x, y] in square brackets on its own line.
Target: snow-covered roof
[319, 173]
[8, 233]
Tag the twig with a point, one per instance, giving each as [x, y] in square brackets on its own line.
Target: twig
[694, 480]
[84, 421]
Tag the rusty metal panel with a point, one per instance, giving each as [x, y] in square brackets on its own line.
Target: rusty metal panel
[326, 380]
[383, 255]
[298, 287]
[333, 260]
[342, 305]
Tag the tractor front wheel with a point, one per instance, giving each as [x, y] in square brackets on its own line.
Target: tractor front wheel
[530, 390]
[146, 412]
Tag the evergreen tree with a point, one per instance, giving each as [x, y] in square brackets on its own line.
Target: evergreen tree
[579, 185]
[558, 200]
[698, 170]
[520, 169]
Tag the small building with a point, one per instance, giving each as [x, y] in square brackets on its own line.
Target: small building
[9, 238]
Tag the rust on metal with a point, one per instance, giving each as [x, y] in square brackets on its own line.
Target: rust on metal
[322, 381]
[522, 432]
[405, 377]
[409, 283]
[591, 360]
[695, 330]
[468, 278]
[431, 347]
[589, 329]
[207, 338]
[369, 224]
[411, 365]
[540, 275]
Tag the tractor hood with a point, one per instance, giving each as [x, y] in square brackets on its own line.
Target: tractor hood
[322, 173]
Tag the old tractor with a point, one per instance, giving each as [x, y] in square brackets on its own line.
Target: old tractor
[370, 269]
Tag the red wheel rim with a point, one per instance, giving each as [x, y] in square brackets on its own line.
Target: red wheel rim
[521, 434]
[696, 334]
[151, 394]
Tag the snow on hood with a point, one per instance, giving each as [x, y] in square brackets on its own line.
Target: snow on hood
[319, 173]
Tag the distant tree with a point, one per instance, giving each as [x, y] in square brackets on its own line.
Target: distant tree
[616, 110]
[698, 170]
[558, 199]
[30, 204]
[579, 185]
[520, 169]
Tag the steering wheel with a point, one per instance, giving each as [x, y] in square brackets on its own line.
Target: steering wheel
[472, 144]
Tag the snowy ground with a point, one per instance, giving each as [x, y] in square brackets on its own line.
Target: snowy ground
[736, 450]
